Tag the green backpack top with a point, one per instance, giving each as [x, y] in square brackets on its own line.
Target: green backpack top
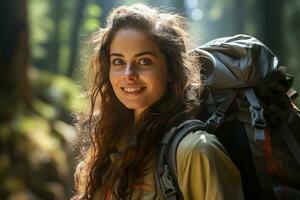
[247, 104]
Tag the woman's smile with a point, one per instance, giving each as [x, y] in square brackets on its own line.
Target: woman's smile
[133, 90]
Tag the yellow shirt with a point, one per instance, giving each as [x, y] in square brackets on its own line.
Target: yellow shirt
[205, 172]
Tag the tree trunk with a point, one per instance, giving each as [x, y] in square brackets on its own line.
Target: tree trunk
[74, 39]
[239, 15]
[179, 5]
[271, 26]
[14, 58]
[106, 8]
[57, 6]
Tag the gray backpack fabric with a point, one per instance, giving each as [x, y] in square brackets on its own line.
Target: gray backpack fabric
[247, 103]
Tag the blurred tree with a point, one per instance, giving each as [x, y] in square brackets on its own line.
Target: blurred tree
[40, 32]
[106, 8]
[179, 6]
[14, 58]
[270, 29]
[74, 34]
[291, 39]
[34, 140]
[55, 44]
[239, 15]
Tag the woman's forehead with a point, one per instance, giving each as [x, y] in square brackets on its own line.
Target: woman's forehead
[132, 40]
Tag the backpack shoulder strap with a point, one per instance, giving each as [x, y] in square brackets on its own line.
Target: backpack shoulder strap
[289, 138]
[166, 168]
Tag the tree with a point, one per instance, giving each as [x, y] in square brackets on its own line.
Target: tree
[270, 29]
[33, 157]
[55, 46]
[75, 30]
[106, 8]
[239, 15]
[14, 58]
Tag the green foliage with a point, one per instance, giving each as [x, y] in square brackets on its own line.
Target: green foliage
[36, 154]
[57, 90]
[40, 28]
[43, 36]
[215, 12]
[33, 158]
[92, 16]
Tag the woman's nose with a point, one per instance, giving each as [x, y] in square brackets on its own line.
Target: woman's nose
[130, 72]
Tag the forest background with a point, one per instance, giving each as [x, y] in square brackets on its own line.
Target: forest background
[43, 54]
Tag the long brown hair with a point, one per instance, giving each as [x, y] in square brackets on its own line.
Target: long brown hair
[110, 119]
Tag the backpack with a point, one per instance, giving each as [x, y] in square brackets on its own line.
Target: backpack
[248, 104]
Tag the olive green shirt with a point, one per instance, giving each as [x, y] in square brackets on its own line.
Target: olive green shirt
[205, 172]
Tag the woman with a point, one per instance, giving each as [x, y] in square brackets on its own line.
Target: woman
[144, 84]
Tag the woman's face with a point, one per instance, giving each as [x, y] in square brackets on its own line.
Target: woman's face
[138, 71]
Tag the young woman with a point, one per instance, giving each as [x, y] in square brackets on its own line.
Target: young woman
[144, 84]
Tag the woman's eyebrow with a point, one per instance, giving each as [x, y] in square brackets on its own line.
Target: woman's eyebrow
[117, 54]
[144, 53]
[136, 55]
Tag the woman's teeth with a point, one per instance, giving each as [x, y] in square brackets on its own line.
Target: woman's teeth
[132, 89]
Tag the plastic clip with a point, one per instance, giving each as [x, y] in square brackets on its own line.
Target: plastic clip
[215, 121]
[167, 183]
[258, 119]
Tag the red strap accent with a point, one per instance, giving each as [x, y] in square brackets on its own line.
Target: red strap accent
[268, 152]
[108, 194]
[274, 167]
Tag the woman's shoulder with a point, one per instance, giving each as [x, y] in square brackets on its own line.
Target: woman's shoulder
[200, 143]
[204, 169]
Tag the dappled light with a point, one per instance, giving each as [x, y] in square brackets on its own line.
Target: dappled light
[43, 63]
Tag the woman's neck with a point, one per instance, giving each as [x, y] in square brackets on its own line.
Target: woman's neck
[137, 114]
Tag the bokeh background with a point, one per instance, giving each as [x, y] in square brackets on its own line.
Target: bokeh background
[42, 59]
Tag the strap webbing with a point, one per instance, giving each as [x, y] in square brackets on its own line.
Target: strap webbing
[257, 115]
[217, 118]
[290, 140]
[165, 174]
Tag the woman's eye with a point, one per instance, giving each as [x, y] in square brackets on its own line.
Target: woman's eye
[117, 61]
[145, 61]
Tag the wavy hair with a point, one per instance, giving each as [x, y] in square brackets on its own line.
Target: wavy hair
[110, 119]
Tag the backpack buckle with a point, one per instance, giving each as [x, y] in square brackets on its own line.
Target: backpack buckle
[167, 183]
[215, 121]
[257, 116]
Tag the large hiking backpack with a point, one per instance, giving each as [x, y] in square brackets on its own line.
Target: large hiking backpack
[247, 104]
